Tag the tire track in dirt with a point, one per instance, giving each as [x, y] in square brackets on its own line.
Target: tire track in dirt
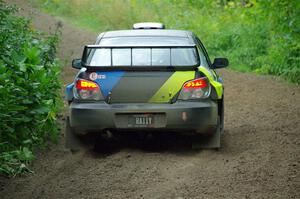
[259, 156]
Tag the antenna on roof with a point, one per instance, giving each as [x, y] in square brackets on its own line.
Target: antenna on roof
[148, 25]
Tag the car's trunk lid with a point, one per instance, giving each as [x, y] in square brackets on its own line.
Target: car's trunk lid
[141, 86]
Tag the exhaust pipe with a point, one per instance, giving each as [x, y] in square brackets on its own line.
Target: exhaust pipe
[107, 134]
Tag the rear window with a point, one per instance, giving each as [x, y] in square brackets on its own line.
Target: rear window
[142, 56]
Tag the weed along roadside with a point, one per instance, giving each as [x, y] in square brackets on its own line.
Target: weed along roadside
[29, 92]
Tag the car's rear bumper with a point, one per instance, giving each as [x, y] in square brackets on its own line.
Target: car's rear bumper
[180, 116]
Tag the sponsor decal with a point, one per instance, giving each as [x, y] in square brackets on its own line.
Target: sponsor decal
[94, 76]
[184, 116]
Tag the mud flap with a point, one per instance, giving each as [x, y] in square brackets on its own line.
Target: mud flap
[208, 142]
[72, 140]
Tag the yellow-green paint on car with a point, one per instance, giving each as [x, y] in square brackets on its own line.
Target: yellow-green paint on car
[217, 85]
[172, 86]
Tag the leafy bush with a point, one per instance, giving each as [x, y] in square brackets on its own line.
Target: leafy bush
[256, 35]
[29, 91]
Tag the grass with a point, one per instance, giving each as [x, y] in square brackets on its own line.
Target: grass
[259, 36]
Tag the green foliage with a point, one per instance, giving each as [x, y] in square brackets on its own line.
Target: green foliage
[256, 35]
[29, 91]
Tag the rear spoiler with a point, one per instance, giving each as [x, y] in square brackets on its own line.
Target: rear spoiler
[88, 49]
[142, 46]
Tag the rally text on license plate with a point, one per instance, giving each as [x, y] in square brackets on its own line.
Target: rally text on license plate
[143, 120]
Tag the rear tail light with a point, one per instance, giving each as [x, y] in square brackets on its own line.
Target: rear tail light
[195, 89]
[87, 90]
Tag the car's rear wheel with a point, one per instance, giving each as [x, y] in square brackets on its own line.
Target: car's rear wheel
[211, 140]
[221, 114]
[72, 140]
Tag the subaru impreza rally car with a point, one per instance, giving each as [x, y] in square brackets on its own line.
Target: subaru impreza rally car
[146, 79]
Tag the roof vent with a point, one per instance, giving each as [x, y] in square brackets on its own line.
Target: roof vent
[148, 25]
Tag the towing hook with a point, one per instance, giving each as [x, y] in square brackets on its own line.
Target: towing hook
[109, 98]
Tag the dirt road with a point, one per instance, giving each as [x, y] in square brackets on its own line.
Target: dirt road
[259, 157]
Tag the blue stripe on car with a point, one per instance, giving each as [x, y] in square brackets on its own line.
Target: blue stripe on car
[108, 80]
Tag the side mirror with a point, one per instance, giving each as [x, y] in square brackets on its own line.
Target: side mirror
[76, 63]
[220, 63]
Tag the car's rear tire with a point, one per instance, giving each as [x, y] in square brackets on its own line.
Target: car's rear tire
[209, 141]
[221, 114]
[72, 141]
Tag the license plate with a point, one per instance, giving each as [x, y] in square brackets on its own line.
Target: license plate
[144, 120]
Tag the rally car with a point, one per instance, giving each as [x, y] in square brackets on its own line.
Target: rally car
[147, 79]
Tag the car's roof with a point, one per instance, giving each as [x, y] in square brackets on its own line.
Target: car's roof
[147, 33]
